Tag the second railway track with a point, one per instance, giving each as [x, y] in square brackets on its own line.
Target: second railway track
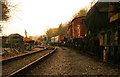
[12, 67]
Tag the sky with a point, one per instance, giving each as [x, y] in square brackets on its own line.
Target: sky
[37, 16]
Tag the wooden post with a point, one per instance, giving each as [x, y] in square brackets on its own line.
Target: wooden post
[105, 54]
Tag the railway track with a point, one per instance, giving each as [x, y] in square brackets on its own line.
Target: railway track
[17, 56]
[12, 66]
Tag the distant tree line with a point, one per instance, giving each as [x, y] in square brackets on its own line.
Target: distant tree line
[62, 29]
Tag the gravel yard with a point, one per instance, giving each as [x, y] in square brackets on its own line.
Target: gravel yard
[69, 62]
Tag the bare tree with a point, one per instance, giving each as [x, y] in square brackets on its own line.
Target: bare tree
[4, 10]
[52, 32]
[82, 12]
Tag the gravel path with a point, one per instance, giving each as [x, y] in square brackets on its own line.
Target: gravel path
[68, 62]
[14, 65]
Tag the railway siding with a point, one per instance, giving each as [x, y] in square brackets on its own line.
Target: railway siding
[14, 65]
[23, 54]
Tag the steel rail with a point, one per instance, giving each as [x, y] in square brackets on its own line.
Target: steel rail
[21, 55]
[28, 65]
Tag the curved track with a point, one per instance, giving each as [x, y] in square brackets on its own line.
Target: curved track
[15, 65]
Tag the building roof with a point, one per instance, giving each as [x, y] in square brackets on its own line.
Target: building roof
[15, 35]
[81, 17]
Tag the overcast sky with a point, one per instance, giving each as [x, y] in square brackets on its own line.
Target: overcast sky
[36, 16]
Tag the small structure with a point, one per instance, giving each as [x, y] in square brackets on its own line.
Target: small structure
[15, 41]
[28, 42]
